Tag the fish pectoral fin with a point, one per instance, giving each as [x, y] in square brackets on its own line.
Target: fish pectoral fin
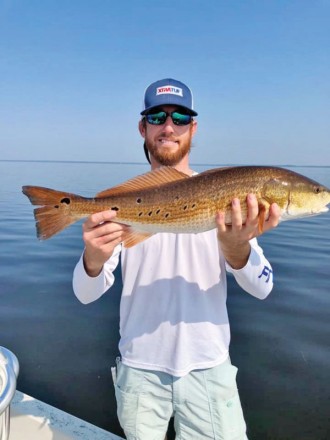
[263, 214]
[133, 237]
[148, 180]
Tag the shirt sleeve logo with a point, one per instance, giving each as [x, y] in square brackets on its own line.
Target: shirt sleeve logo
[267, 273]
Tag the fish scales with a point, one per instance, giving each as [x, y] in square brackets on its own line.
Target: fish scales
[166, 200]
[183, 206]
[170, 208]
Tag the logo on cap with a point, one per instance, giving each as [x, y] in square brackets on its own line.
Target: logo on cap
[169, 90]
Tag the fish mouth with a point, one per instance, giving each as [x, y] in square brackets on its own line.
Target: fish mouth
[288, 215]
[320, 211]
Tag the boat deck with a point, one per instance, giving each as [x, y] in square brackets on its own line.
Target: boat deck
[32, 419]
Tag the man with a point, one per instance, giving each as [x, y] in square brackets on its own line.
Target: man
[173, 319]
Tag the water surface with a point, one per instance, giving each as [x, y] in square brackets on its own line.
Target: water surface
[66, 349]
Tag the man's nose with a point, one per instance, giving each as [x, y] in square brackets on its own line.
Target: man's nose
[168, 124]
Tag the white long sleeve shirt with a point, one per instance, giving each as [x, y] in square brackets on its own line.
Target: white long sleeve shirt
[173, 314]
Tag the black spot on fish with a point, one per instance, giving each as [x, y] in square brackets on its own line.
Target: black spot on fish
[150, 213]
[138, 200]
[166, 215]
[114, 208]
[158, 211]
[185, 207]
[193, 205]
[140, 213]
[66, 200]
[56, 206]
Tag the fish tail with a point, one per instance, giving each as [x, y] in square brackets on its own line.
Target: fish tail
[55, 213]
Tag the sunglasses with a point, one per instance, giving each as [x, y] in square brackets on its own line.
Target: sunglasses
[159, 118]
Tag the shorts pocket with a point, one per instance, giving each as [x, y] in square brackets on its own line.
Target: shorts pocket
[128, 388]
[230, 418]
[129, 379]
[227, 413]
[127, 407]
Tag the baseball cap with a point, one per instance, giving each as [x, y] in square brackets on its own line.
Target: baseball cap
[168, 91]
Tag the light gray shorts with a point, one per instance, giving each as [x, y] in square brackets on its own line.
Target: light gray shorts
[205, 404]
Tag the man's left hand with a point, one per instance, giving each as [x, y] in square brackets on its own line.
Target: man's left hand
[234, 239]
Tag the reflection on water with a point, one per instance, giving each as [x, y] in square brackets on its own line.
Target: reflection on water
[65, 349]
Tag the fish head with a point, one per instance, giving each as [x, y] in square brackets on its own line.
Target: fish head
[307, 197]
[296, 195]
[277, 191]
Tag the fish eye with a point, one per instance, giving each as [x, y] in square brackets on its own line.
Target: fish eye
[317, 189]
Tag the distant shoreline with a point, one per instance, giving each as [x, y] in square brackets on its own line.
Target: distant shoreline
[144, 163]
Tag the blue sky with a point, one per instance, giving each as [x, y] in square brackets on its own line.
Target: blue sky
[73, 73]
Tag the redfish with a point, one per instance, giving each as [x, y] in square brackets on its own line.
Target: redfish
[167, 200]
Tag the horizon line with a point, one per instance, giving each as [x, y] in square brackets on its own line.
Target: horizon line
[145, 163]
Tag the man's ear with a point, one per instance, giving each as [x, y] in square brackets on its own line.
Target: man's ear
[142, 127]
[194, 127]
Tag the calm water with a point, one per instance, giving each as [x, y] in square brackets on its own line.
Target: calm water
[65, 349]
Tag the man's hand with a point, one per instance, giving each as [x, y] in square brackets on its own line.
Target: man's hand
[234, 238]
[101, 235]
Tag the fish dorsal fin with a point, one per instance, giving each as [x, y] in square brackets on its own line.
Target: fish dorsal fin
[147, 180]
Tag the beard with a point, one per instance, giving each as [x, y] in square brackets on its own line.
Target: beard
[169, 158]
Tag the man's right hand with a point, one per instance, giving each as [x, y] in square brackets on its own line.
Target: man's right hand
[101, 235]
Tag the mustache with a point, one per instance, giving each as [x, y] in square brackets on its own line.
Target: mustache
[168, 138]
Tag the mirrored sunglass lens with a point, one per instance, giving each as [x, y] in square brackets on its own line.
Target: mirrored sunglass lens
[156, 118]
[181, 119]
